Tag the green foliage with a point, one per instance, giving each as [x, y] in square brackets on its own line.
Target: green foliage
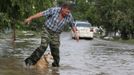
[112, 15]
[15, 11]
[4, 21]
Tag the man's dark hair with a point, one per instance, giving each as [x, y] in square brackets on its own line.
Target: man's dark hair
[65, 5]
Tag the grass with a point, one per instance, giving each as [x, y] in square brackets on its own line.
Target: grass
[21, 34]
[130, 41]
[118, 39]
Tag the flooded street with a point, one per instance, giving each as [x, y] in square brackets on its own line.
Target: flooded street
[86, 57]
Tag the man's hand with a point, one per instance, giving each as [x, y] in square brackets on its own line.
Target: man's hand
[76, 33]
[77, 36]
[28, 21]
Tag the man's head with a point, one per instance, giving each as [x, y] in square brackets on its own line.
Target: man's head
[65, 10]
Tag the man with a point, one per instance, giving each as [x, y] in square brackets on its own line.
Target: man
[56, 19]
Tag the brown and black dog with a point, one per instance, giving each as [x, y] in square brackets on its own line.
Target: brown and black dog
[43, 62]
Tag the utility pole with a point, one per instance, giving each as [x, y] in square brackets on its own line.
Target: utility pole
[86, 1]
[55, 3]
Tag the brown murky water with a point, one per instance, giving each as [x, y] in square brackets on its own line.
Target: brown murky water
[86, 57]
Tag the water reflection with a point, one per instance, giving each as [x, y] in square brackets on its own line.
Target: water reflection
[14, 66]
[96, 57]
[12, 55]
[49, 71]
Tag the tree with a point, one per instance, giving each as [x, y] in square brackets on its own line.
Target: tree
[14, 11]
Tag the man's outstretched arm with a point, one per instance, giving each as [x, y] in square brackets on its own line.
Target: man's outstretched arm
[29, 19]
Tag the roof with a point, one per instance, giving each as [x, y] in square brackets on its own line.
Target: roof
[82, 22]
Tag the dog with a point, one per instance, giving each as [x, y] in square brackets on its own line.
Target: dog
[43, 62]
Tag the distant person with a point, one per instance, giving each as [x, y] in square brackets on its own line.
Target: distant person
[56, 19]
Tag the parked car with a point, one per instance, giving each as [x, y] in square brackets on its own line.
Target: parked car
[84, 28]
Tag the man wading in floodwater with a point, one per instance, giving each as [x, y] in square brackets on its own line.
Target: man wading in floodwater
[56, 19]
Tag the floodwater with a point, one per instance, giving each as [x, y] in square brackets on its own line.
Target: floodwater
[86, 57]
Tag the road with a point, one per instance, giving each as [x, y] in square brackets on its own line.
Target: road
[86, 57]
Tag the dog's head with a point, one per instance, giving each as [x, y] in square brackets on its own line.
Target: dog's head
[49, 58]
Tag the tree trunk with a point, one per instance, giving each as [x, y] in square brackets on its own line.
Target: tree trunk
[13, 33]
[124, 34]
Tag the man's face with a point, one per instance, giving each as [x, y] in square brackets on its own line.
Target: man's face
[65, 11]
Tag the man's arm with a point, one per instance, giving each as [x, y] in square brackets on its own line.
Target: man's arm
[29, 19]
[73, 27]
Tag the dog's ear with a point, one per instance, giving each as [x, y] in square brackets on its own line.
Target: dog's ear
[48, 53]
[45, 55]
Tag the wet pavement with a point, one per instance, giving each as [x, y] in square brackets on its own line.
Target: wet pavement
[86, 57]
